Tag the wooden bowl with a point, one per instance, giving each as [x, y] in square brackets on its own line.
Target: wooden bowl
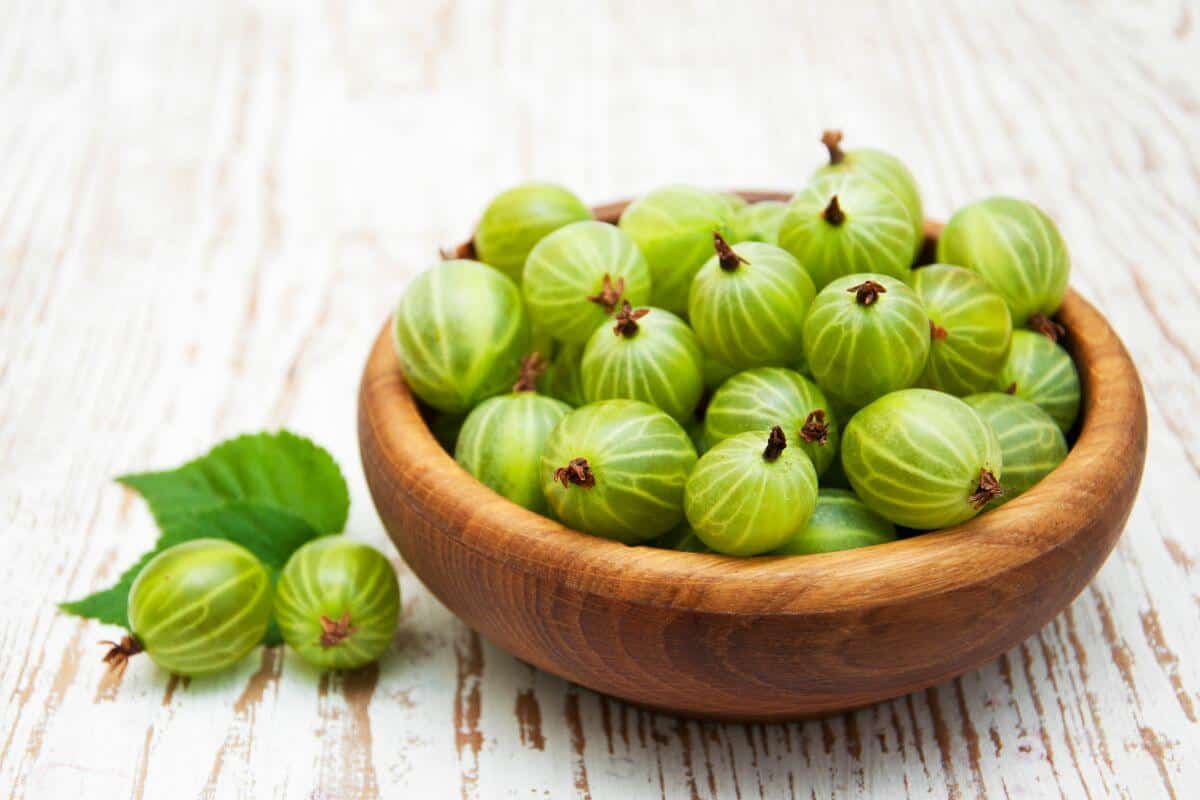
[766, 638]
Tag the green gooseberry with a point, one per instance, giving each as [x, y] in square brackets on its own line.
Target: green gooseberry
[715, 373]
[922, 458]
[846, 223]
[460, 332]
[502, 440]
[969, 329]
[1041, 371]
[517, 219]
[758, 399]
[840, 521]
[542, 343]
[197, 608]
[648, 354]
[1031, 442]
[563, 378]
[866, 335]
[617, 469]
[750, 493]
[578, 275]
[337, 603]
[747, 304]
[673, 226]
[682, 537]
[758, 222]
[735, 202]
[883, 167]
[1016, 248]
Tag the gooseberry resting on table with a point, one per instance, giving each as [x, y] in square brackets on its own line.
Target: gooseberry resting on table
[197, 608]
[337, 603]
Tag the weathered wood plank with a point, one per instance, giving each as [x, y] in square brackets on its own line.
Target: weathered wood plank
[205, 213]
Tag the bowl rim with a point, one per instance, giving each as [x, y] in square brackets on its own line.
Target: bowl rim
[1083, 490]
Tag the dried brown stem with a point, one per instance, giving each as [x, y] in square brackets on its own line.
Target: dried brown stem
[334, 632]
[577, 472]
[1011, 388]
[726, 258]
[119, 653]
[609, 296]
[833, 143]
[532, 367]
[937, 332]
[867, 292]
[833, 213]
[988, 489]
[1040, 323]
[815, 429]
[626, 320]
[776, 442]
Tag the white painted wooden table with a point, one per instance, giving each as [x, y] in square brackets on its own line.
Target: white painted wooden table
[207, 212]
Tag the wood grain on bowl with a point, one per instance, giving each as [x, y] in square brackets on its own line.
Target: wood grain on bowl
[763, 638]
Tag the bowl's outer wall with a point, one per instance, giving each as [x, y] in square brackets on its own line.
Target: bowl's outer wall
[763, 638]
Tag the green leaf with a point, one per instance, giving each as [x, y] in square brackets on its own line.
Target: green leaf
[111, 605]
[279, 470]
[271, 534]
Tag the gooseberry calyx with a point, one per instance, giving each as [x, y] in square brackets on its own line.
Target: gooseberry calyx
[833, 143]
[334, 632]
[337, 603]
[815, 429]
[609, 296]
[576, 472]
[532, 367]
[833, 213]
[119, 653]
[988, 489]
[726, 258]
[776, 444]
[626, 320]
[867, 292]
[1040, 323]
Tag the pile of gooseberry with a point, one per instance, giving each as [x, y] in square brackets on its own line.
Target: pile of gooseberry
[748, 378]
